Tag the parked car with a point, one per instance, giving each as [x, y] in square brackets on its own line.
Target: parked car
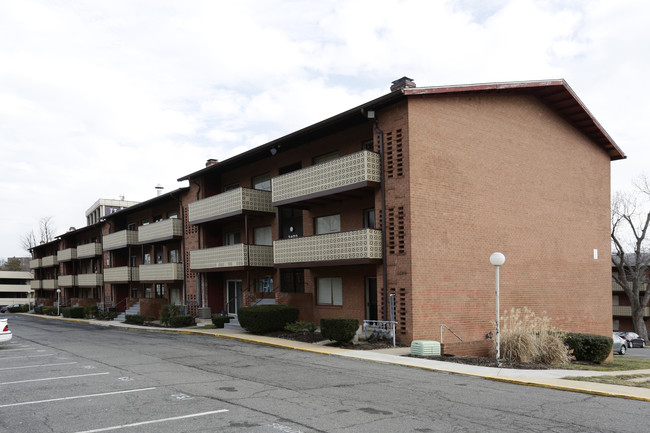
[619, 344]
[5, 333]
[633, 339]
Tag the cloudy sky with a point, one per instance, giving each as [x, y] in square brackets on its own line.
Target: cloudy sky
[110, 98]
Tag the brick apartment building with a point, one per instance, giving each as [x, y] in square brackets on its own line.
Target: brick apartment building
[416, 189]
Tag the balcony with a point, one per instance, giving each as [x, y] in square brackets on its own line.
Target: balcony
[161, 272]
[35, 264]
[90, 280]
[49, 261]
[67, 280]
[36, 284]
[229, 203]
[50, 284]
[358, 170]
[66, 255]
[232, 256]
[89, 250]
[160, 231]
[122, 274]
[356, 247]
[626, 311]
[121, 239]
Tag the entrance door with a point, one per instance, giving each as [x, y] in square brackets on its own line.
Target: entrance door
[234, 296]
[371, 298]
[175, 296]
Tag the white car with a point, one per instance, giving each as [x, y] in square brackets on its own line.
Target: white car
[5, 333]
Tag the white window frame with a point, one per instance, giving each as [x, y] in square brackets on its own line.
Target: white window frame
[329, 291]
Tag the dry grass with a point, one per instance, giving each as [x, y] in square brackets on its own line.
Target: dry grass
[528, 338]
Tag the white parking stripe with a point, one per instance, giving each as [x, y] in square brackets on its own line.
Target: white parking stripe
[23, 357]
[76, 397]
[52, 378]
[37, 366]
[154, 421]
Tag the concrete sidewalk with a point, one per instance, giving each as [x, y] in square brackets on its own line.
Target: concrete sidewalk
[553, 379]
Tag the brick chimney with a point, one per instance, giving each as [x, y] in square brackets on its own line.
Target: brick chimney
[211, 162]
[402, 83]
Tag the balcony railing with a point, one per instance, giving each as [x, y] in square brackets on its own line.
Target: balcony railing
[89, 250]
[122, 274]
[49, 261]
[121, 239]
[623, 310]
[35, 264]
[232, 256]
[90, 280]
[50, 284]
[160, 231]
[356, 246]
[616, 288]
[67, 280]
[66, 255]
[161, 272]
[36, 284]
[343, 174]
[229, 203]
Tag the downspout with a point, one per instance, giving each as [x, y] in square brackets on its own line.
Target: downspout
[384, 275]
[180, 202]
[199, 275]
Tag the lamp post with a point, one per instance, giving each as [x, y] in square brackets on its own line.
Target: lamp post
[497, 259]
[58, 302]
[31, 298]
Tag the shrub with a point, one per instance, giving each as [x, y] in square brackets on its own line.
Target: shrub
[38, 310]
[72, 312]
[219, 320]
[168, 311]
[260, 319]
[65, 311]
[90, 311]
[105, 315]
[339, 329]
[19, 309]
[589, 347]
[527, 338]
[301, 326]
[49, 310]
[181, 321]
[136, 319]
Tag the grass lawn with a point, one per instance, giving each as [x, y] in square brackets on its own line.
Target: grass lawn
[619, 363]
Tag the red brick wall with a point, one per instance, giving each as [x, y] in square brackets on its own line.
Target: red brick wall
[504, 173]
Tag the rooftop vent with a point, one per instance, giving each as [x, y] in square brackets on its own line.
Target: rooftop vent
[211, 162]
[402, 83]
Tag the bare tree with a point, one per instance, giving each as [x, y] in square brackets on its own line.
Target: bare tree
[28, 241]
[47, 229]
[631, 258]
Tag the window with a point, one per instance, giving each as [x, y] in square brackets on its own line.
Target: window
[291, 167]
[159, 255]
[147, 259]
[330, 291]
[144, 222]
[230, 187]
[368, 145]
[292, 280]
[160, 290]
[172, 214]
[134, 292]
[131, 226]
[147, 292]
[262, 182]
[369, 218]
[328, 224]
[325, 158]
[133, 262]
[173, 256]
[263, 235]
[264, 285]
[157, 218]
[232, 238]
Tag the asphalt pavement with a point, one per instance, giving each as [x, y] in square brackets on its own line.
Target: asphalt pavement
[552, 378]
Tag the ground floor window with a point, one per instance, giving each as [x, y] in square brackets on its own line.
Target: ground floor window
[160, 290]
[264, 285]
[147, 292]
[134, 292]
[330, 291]
[292, 280]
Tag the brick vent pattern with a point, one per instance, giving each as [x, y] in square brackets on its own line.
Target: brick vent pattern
[396, 230]
[394, 154]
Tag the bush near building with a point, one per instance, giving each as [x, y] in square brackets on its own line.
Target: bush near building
[260, 319]
[339, 329]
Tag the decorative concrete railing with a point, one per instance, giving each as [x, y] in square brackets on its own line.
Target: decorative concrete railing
[90, 280]
[50, 284]
[66, 255]
[67, 280]
[161, 272]
[233, 202]
[35, 264]
[342, 174]
[232, 256]
[89, 250]
[120, 239]
[49, 261]
[623, 310]
[355, 245]
[121, 274]
[160, 231]
[36, 284]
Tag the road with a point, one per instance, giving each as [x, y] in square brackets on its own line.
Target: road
[78, 378]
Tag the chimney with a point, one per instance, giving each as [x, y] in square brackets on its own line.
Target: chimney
[402, 83]
[159, 189]
[210, 162]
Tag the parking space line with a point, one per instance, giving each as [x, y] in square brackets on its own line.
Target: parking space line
[136, 424]
[76, 397]
[23, 357]
[53, 378]
[37, 366]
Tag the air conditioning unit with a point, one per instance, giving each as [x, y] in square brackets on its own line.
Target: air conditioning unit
[425, 348]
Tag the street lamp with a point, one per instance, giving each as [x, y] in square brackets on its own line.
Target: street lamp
[498, 259]
[58, 302]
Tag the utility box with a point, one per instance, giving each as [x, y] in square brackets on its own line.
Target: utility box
[425, 348]
[205, 313]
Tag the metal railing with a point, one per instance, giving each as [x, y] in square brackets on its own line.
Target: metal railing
[380, 328]
[442, 325]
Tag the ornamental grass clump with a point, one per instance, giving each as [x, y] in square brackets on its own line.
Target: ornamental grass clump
[528, 338]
